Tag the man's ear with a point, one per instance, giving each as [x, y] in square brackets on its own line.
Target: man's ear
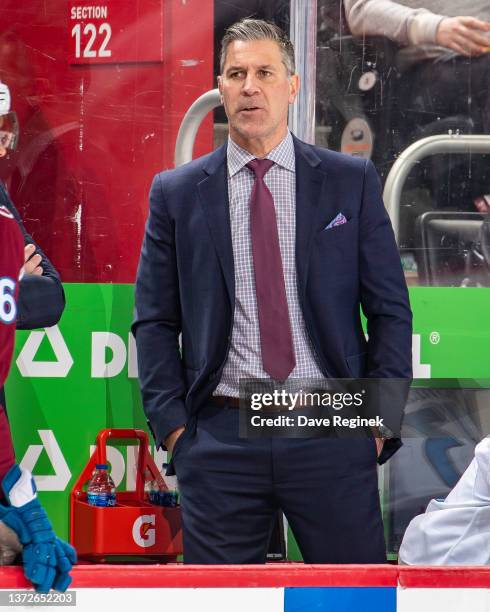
[294, 85]
[220, 88]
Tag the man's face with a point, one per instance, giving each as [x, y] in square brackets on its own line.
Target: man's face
[256, 92]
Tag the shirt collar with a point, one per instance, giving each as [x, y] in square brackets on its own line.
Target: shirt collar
[282, 155]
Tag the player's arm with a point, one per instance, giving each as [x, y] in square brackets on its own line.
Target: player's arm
[11, 262]
[41, 298]
[384, 294]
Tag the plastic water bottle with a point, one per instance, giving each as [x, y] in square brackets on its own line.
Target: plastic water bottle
[161, 497]
[153, 493]
[101, 490]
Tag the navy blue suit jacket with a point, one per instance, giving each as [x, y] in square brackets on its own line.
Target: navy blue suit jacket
[185, 281]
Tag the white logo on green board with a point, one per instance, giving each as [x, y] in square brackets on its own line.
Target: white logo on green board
[62, 475]
[420, 370]
[124, 461]
[102, 343]
[110, 356]
[435, 337]
[59, 368]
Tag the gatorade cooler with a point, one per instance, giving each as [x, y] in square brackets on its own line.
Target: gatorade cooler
[134, 526]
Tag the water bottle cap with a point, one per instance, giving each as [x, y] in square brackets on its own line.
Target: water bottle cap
[101, 466]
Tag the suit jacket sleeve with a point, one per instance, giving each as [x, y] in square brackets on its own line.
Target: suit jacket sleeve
[41, 298]
[157, 322]
[384, 294]
[385, 302]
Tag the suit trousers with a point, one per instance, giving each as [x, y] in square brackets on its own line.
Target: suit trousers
[231, 489]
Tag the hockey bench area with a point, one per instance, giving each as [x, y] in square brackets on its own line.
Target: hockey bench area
[271, 588]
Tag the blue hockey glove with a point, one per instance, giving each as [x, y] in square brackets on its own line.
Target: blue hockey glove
[10, 546]
[47, 559]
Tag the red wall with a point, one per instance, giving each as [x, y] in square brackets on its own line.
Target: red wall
[93, 136]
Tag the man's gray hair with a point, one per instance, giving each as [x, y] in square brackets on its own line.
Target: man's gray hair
[258, 29]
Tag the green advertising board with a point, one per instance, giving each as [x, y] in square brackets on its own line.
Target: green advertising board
[70, 381]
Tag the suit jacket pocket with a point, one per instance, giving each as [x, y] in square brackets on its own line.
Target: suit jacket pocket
[338, 230]
[343, 238]
[178, 444]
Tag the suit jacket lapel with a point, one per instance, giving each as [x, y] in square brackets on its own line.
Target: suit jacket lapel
[213, 193]
[309, 182]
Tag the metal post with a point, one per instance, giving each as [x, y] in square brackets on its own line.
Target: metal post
[303, 33]
[433, 145]
[189, 127]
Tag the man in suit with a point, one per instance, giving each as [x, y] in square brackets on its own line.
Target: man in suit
[261, 254]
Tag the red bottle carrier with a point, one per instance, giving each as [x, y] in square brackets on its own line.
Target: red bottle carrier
[133, 526]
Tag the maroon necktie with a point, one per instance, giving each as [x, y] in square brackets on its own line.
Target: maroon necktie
[275, 328]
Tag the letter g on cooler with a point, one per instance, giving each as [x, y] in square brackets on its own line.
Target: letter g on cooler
[144, 530]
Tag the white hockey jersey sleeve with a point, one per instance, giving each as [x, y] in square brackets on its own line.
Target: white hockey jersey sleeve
[455, 531]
